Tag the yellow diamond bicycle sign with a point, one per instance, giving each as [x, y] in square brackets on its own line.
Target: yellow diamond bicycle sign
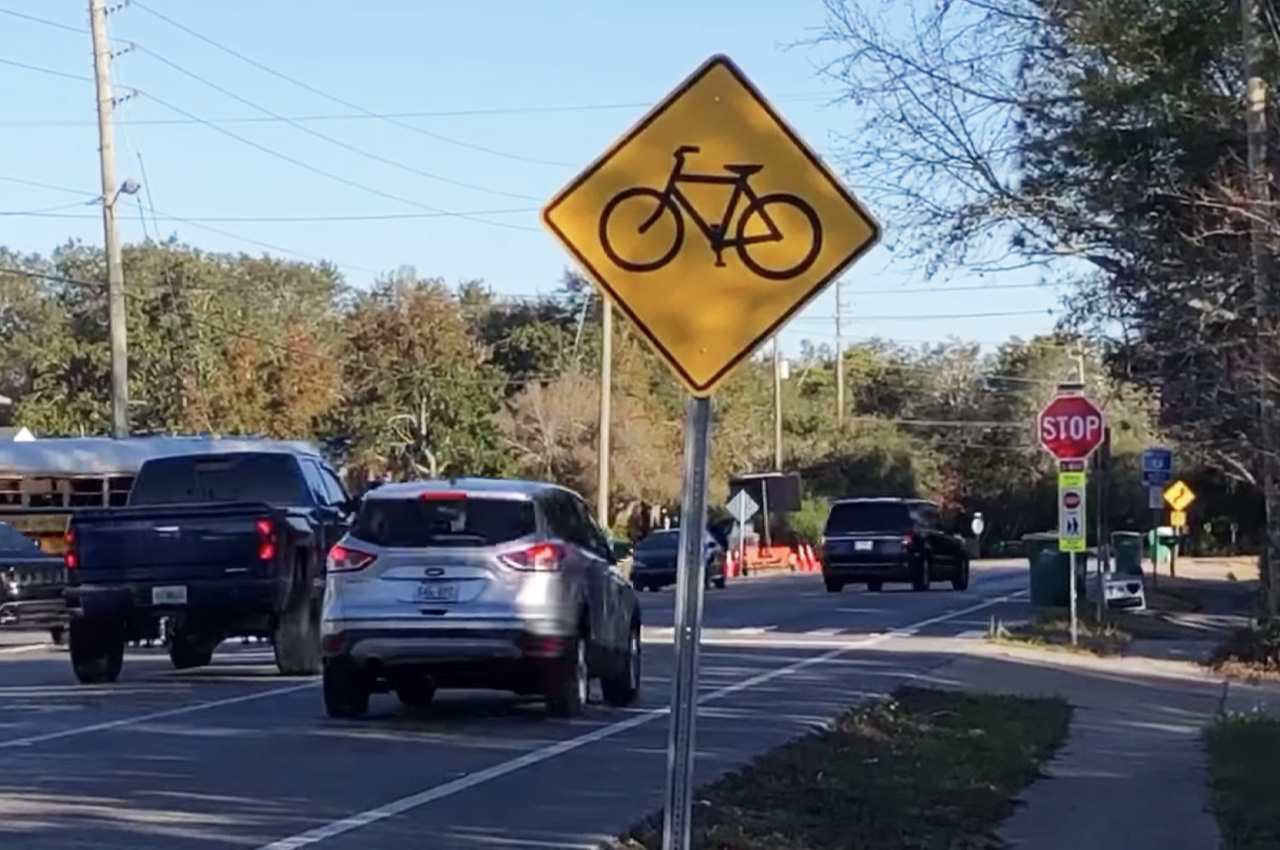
[710, 224]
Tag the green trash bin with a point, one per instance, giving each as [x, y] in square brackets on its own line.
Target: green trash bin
[1050, 571]
[1126, 547]
[1158, 549]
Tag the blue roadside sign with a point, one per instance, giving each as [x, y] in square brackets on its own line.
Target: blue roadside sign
[1157, 466]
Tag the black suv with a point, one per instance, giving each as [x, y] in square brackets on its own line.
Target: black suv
[875, 540]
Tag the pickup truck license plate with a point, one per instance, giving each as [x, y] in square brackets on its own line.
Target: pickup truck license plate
[437, 591]
[170, 595]
[864, 545]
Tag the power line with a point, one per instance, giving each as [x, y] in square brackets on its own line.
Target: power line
[328, 174]
[927, 317]
[50, 71]
[269, 219]
[341, 102]
[22, 181]
[324, 136]
[44, 21]
[49, 210]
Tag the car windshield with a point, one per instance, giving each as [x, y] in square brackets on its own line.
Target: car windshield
[273, 478]
[853, 517]
[661, 541]
[414, 523]
[14, 542]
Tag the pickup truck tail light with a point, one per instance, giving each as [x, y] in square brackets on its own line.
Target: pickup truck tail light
[344, 559]
[539, 558]
[268, 540]
[908, 539]
[70, 556]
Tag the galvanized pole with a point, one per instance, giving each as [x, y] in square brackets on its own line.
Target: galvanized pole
[110, 191]
[688, 628]
[1075, 620]
[777, 405]
[839, 358]
[606, 389]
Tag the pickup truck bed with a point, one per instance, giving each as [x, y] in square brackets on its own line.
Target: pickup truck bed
[211, 568]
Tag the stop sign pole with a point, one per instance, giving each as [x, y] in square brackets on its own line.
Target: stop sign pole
[1071, 427]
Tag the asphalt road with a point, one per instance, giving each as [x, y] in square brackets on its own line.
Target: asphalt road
[236, 756]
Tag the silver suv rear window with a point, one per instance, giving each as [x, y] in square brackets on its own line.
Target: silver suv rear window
[415, 523]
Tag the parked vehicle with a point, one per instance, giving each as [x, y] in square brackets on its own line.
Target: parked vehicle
[477, 583]
[878, 540]
[655, 558]
[31, 586]
[217, 544]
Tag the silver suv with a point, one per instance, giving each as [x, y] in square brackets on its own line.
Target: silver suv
[477, 583]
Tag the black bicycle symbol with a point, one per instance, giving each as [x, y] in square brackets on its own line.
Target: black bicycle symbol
[671, 199]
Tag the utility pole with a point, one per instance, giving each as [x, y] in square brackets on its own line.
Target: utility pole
[606, 388]
[839, 357]
[1260, 217]
[777, 406]
[110, 191]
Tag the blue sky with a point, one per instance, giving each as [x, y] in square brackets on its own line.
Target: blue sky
[516, 96]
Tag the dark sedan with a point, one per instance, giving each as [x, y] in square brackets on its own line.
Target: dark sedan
[31, 585]
[654, 561]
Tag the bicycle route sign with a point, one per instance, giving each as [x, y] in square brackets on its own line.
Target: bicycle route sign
[710, 224]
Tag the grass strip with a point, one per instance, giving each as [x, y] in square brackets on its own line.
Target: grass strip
[1054, 630]
[1243, 753]
[925, 768]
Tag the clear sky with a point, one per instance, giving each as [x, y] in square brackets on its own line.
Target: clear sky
[509, 97]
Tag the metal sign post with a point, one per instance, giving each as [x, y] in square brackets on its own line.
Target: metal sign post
[1072, 528]
[706, 297]
[688, 621]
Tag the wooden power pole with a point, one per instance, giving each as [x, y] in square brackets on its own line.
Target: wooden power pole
[110, 192]
[1260, 217]
[606, 388]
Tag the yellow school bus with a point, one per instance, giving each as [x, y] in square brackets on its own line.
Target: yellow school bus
[43, 481]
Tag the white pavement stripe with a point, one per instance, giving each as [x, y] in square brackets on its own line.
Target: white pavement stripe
[823, 632]
[15, 650]
[448, 789]
[972, 634]
[155, 715]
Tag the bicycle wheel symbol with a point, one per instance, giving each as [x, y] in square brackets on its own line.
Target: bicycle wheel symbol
[643, 229]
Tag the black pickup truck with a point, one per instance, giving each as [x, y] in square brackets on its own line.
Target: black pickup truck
[217, 545]
[31, 586]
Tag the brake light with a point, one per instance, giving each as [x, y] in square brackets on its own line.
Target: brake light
[441, 496]
[70, 556]
[908, 539]
[541, 558]
[344, 559]
[266, 540]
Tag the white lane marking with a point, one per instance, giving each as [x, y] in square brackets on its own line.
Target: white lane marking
[972, 634]
[456, 786]
[823, 632]
[751, 630]
[14, 650]
[155, 715]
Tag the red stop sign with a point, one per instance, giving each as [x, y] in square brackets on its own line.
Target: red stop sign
[1070, 427]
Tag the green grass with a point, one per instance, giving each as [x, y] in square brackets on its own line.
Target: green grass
[924, 769]
[1243, 754]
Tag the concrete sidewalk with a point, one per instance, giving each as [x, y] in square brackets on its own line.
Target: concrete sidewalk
[1133, 774]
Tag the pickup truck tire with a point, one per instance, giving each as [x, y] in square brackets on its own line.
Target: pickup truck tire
[346, 690]
[297, 638]
[187, 652]
[97, 652]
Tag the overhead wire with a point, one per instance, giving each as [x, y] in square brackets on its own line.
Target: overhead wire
[329, 174]
[50, 71]
[326, 137]
[340, 101]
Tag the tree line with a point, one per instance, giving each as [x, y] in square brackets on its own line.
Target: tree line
[411, 373]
